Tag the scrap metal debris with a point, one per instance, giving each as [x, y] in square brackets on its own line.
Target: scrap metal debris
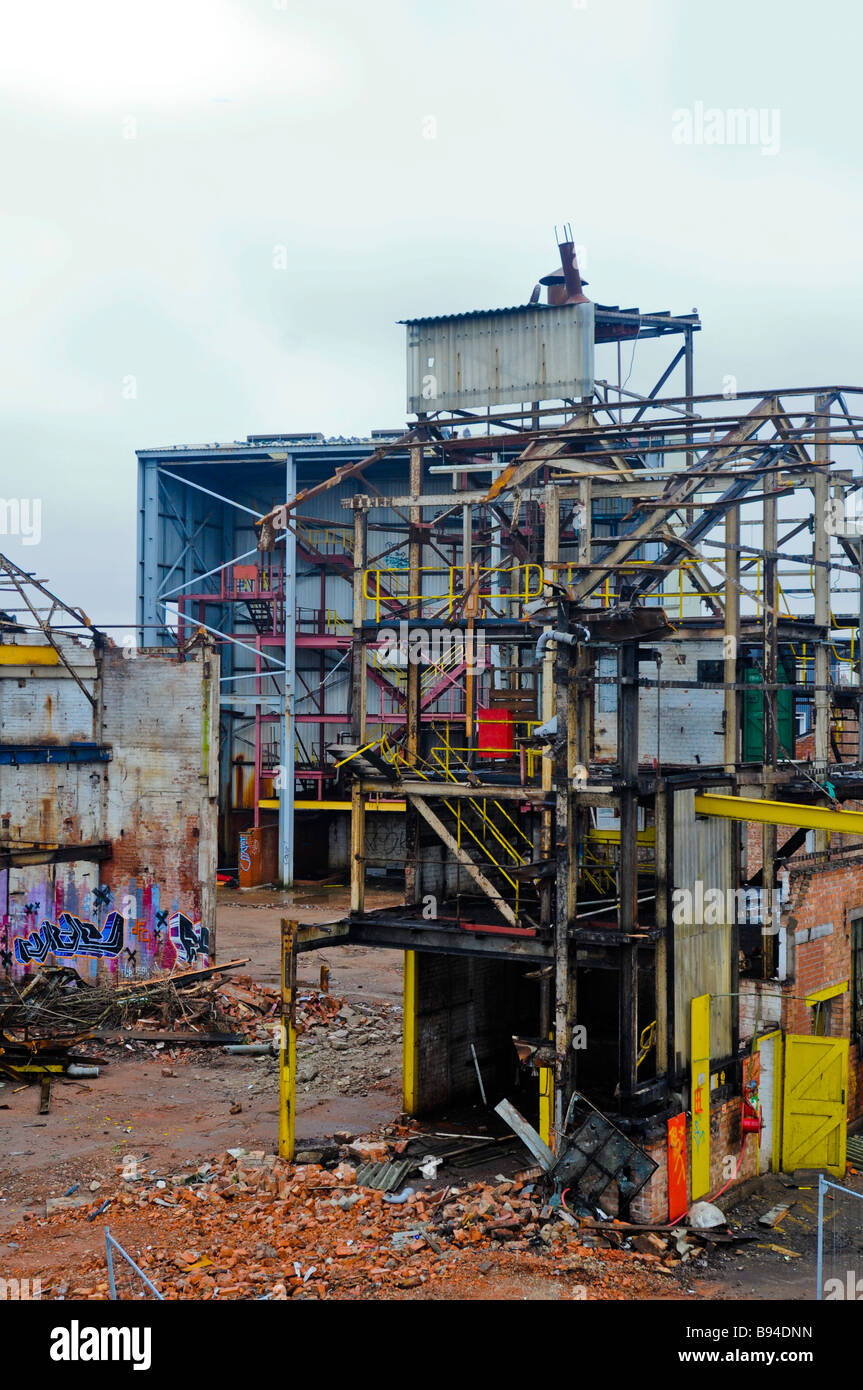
[593, 1156]
[775, 1214]
[385, 1176]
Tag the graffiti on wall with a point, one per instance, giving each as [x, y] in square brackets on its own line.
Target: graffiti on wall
[72, 936]
[133, 928]
[191, 939]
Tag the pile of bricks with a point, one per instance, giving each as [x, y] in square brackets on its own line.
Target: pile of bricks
[250, 1226]
[251, 1007]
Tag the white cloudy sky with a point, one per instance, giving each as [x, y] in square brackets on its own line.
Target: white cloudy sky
[303, 124]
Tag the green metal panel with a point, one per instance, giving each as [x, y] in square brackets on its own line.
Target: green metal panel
[753, 713]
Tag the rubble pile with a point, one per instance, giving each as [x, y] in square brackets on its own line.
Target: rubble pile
[60, 1001]
[250, 1226]
[246, 1003]
[352, 1051]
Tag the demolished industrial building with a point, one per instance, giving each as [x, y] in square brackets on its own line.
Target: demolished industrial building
[571, 667]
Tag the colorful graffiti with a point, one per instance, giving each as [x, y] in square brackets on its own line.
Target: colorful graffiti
[191, 939]
[72, 936]
[131, 928]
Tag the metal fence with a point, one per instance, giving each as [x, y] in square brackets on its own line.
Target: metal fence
[840, 1242]
[125, 1279]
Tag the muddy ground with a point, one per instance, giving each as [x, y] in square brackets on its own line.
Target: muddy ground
[134, 1109]
[166, 1110]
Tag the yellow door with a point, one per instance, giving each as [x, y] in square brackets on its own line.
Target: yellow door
[815, 1104]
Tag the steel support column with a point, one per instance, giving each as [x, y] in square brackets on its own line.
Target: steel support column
[821, 584]
[286, 789]
[770, 708]
[627, 759]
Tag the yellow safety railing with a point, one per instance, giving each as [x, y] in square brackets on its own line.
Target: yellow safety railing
[327, 540]
[805, 658]
[457, 753]
[451, 751]
[488, 825]
[599, 865]
[449, 661]
[376, 591]
[335, 623]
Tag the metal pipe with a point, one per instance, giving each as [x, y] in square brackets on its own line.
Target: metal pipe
[569, 639]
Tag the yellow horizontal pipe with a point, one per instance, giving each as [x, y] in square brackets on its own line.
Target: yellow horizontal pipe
[612, 837]
[271, 804]
[779, 813]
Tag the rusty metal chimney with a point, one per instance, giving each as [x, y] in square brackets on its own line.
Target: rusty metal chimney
[565, 286]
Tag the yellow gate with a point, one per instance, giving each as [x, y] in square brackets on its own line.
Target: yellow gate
[815, 1103]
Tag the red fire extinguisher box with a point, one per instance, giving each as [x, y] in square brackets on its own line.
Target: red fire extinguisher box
[494, 733]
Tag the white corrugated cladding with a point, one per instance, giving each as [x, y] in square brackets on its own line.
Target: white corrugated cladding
[530, 353]
[702, 951]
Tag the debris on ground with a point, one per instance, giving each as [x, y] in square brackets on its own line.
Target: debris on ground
[704, 1215]
[251, 1226]
[775, 1214]
[58, 1009]
[58, 998]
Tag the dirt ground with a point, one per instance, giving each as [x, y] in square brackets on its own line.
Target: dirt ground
[132, 1109]
[782, 1262]
[166, 1110]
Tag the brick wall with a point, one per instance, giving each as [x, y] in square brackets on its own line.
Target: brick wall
[819, 946]
[838, 850]
[153, 803]
[726, 1139]
[463, 1000]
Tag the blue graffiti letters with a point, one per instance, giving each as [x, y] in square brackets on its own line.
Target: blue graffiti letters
[72, 936]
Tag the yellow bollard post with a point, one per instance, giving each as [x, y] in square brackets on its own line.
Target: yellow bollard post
[700, 1095]
[288, 1048]
[409, 1033]
[546, 1107]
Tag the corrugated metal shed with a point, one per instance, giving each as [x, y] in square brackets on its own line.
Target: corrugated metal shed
[500, 357]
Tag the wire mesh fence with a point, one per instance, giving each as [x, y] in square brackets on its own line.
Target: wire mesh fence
[840, 1242]
[125, 1279]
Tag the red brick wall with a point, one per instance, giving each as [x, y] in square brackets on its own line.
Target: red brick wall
[651, 1204]
[822, 897]
[822, 893]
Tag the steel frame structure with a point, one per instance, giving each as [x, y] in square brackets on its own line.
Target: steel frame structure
[554, 595]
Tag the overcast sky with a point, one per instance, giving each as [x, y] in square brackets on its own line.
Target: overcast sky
[214, 212]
